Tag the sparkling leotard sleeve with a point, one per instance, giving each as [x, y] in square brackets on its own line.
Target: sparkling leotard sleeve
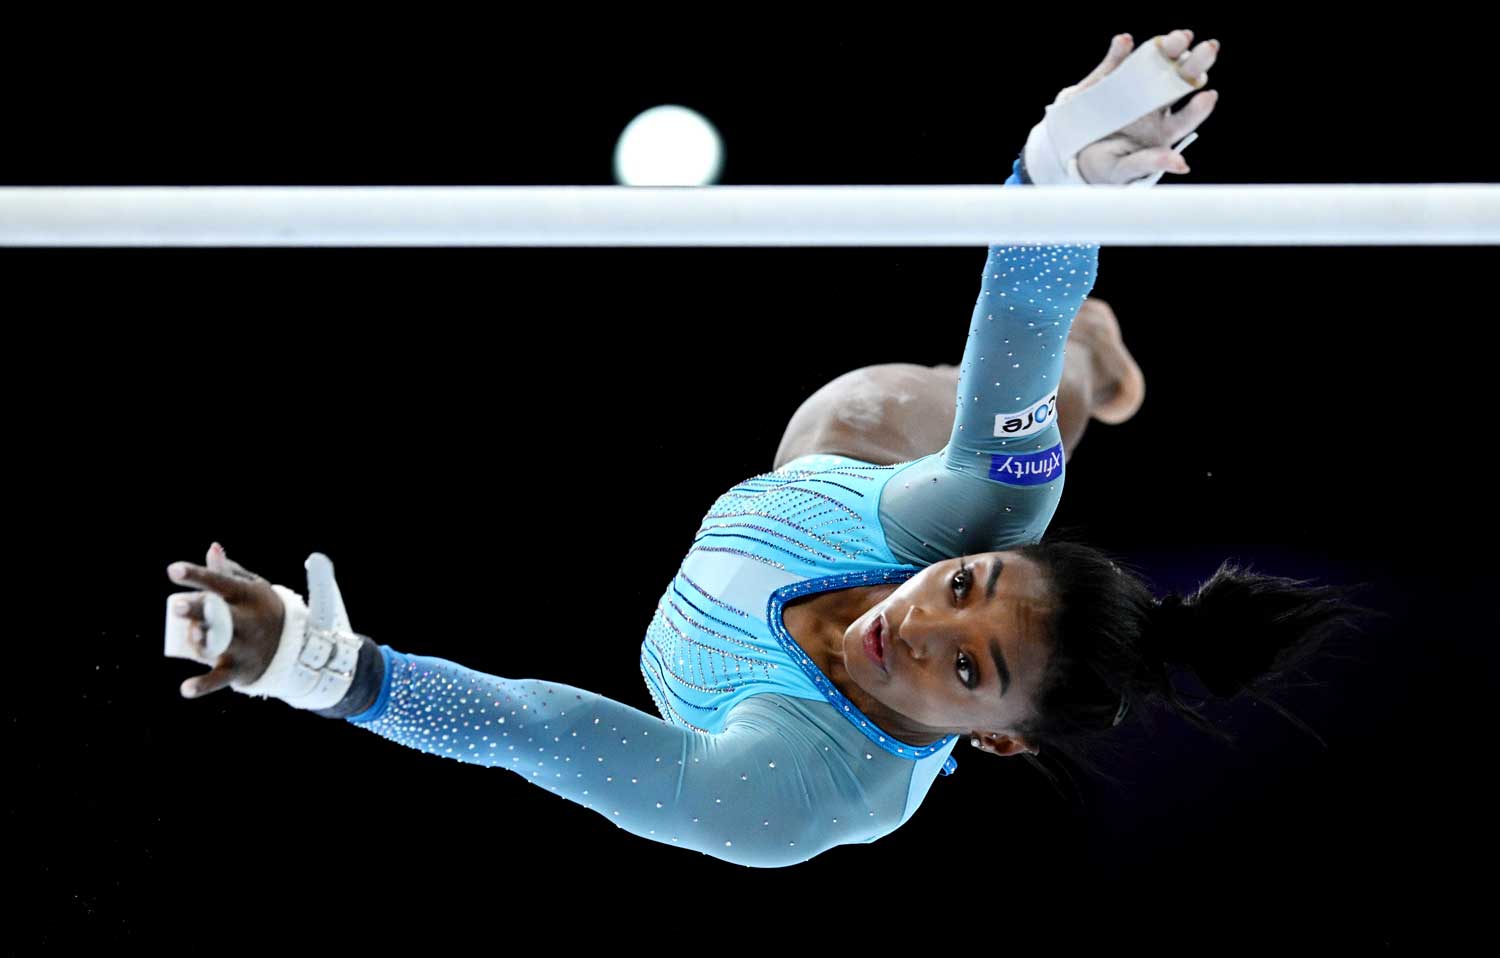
[774, 788]
[998, 481]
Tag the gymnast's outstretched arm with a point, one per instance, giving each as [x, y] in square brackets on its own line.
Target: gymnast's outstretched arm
[772, 789]
[765, 792]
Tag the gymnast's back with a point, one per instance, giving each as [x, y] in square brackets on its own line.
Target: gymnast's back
[755, 757]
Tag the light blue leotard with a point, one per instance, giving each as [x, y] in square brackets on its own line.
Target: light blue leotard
[756, 757]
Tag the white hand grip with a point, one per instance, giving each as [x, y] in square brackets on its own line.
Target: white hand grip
[1145, 81]
[325, 606]
[217, 620]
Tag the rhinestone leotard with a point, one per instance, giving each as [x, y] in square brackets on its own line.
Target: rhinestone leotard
[757, 758]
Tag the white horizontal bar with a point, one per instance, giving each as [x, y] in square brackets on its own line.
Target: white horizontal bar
[1173, 215]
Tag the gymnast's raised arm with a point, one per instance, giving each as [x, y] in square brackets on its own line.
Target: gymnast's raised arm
[1001, 475]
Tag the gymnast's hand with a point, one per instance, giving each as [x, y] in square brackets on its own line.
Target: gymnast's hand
[257, 613]
[1144, 147]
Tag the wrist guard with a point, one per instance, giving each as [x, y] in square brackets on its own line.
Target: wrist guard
[315, 659]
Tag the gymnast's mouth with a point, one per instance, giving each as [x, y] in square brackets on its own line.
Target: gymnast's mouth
[875, 645]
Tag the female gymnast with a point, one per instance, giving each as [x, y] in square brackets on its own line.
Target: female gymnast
[841, 621]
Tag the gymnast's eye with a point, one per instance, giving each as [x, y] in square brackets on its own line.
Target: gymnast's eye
[963, 580]
[967, 665]
[964, 575]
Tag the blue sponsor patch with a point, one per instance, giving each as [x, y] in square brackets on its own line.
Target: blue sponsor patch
[1032, 469]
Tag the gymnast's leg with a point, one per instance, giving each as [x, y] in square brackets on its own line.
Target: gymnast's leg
[896, 412]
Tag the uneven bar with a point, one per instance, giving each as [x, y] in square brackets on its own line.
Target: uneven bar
[788, 216]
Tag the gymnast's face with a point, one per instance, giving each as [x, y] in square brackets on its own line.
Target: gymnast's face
[961, 648]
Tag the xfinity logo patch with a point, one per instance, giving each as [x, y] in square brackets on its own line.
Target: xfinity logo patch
[1032, 469]
[1015, 424]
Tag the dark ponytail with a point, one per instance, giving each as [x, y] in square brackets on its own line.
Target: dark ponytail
[1111, 640]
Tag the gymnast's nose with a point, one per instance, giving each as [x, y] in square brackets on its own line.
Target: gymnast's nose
[919, 631]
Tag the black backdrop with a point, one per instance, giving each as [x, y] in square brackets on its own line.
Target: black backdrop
[446, 424]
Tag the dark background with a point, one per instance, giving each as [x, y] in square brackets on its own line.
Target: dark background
[506, 452]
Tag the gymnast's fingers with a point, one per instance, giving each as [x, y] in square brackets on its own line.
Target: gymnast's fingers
[189, 605]
[201, 685]
[1194, 67]
[1186, 120]
[1172, 45]
[1119, 48]
[232, 590]
[1149, 161]
[219, 561]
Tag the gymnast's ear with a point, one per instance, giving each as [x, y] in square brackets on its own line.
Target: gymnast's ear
[999, 744]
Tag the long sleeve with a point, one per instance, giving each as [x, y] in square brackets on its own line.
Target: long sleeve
[369, 671]
[1000, 478]
[767, 791]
